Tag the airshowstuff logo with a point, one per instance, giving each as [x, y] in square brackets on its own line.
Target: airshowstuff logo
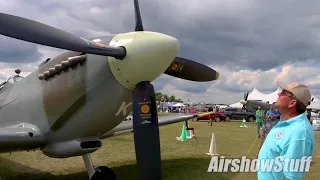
[278, 164]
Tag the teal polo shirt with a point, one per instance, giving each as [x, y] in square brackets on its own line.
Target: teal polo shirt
[291, 139]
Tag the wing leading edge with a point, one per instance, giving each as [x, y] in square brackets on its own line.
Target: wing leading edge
[127, 126]
[20, 136]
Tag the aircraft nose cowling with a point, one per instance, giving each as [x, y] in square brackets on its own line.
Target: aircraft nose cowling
[149, 54]
[243, 102]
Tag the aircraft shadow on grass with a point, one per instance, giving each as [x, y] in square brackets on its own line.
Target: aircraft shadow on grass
[184, 168]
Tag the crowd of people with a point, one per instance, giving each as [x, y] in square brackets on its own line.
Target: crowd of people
[266, 120]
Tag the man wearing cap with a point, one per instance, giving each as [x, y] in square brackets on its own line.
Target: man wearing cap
[291, 138]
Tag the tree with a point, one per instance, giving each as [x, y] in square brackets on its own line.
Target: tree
[158, 96]
[172, 99]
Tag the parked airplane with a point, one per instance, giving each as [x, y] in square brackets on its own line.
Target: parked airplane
[252, 106]
[85, 93]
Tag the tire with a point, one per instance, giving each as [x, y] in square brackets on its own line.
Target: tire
[228, 118]
[104, 173]
[251, 119]
[217, 119]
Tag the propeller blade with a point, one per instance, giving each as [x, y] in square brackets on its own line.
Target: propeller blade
[139, 26]
[35, 32]
[190, 70]
[246, 95]
[146, 132]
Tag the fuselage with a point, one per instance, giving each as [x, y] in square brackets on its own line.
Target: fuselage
[252, 105]
[92, 97]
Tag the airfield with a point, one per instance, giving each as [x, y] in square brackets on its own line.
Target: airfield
[180, 160]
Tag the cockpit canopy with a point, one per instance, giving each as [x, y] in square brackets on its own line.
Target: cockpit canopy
[11, 80]
[14, 79]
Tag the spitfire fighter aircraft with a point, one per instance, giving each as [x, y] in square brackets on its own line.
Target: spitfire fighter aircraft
[70, 102]
[252, 106]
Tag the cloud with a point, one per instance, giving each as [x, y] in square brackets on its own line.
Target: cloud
[251, 43]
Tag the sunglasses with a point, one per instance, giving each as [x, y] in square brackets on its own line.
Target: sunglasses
[286, 93]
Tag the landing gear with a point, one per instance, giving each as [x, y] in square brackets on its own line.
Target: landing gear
[97, 173]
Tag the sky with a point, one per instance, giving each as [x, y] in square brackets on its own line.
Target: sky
[251, 43]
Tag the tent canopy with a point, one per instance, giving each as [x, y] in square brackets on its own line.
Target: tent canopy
[178, 105]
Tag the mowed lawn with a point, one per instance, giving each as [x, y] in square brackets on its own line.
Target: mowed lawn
[180, 160]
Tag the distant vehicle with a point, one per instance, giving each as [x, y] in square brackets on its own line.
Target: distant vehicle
[217, 116]
[238, 113]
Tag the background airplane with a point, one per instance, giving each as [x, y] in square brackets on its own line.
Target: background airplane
[252, 106]
[84, 94]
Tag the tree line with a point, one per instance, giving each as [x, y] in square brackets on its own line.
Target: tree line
[158, 96]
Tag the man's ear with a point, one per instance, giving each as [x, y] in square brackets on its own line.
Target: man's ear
[292, 103]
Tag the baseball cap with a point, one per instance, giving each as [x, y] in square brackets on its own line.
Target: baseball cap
[299, 90]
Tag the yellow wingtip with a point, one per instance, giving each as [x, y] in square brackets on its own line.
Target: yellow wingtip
[217, 75]
[204, 114]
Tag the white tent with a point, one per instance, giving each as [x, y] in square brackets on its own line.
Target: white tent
[256, 95]
[272, 97]
[236, 105]
[314, 105]
[178, 105]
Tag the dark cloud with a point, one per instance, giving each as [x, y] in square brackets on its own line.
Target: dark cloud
[256, 35]
[13, 51]
[264, 36]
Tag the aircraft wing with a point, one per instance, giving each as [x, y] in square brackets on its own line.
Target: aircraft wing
[127, 126]
[20, 136]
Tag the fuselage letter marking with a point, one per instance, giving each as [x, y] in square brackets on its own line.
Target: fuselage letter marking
[123, 108]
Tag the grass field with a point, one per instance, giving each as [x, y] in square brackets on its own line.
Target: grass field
[181, 160]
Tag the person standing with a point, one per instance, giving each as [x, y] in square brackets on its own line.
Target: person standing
[272, 114]
[259, 120]
[272, 118]
[293, 136]
[211, 116]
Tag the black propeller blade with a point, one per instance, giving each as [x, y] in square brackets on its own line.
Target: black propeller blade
[35, 32]
[245, 96]
[146, 132]
[190, 70]
[139, 26]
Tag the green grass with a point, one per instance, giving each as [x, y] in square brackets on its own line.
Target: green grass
[180, 160]
[161, 114]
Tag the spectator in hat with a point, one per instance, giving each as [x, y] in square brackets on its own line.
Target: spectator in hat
[293, 136]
